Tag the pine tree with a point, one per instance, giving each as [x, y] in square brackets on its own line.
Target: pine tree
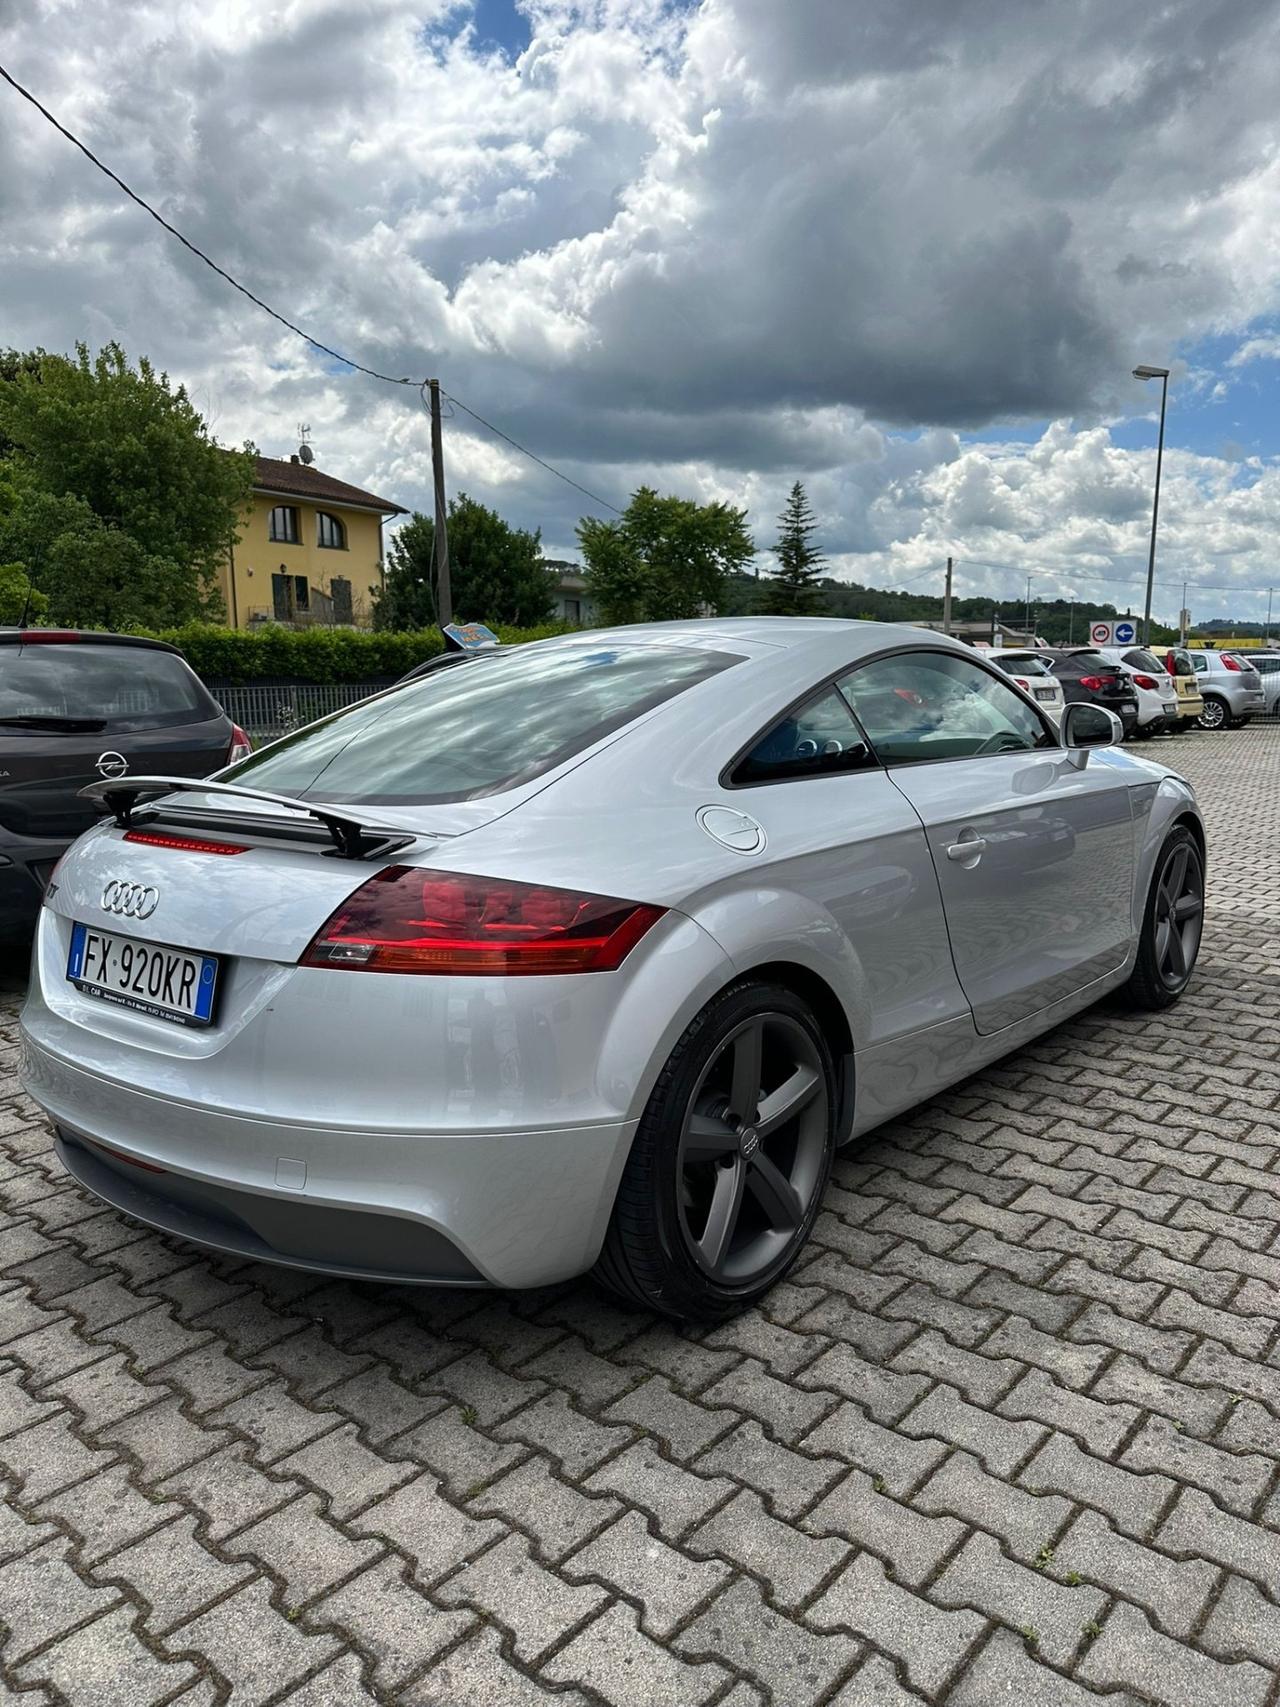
[793, 589]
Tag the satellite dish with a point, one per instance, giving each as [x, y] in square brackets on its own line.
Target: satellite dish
[306, 454]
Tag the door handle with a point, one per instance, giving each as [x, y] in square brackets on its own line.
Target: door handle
[967, 851]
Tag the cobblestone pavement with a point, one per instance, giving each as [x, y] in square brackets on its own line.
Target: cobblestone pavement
[1010, 1434]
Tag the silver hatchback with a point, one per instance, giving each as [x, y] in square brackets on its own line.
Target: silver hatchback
[589, 953]
[1231, 688]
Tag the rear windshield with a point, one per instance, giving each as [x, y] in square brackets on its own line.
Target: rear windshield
[1022, 664]
[1142, 660]
[1088, 663]
[490, 724]
[121, 687]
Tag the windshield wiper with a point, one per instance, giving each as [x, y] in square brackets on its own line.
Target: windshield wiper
[67, 725]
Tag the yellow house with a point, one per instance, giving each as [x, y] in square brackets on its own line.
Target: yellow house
[310, 550]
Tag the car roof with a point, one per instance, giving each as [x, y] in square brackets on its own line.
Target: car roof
[80, 637]
[759, 635]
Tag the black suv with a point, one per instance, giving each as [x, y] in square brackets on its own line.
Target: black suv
[1087, 675]
[75, 708]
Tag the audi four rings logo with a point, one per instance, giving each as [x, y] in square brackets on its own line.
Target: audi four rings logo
[130, 900]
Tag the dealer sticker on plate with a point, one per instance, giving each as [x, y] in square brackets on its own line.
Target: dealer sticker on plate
[148, 977]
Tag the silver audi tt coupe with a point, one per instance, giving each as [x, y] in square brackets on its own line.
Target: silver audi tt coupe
[590, 953]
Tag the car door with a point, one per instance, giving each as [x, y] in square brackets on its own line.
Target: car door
[1033, 853]
[844, 837]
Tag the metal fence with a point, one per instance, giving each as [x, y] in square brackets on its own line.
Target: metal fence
[265, 711]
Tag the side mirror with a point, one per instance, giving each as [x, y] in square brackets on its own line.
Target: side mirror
[1085, 725]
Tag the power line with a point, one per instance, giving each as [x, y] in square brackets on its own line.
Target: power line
[281, 319]
[186, 242]
[525, 451]
[897, 586]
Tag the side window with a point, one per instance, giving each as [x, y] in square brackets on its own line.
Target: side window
[818, 739]
[1201, 664]
[917, 706]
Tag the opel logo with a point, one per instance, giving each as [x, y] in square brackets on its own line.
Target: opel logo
[130, 900]
[111, 764]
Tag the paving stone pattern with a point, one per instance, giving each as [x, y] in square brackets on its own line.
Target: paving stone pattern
[1008, 1435]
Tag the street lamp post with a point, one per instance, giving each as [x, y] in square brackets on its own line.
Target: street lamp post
[1162, 374]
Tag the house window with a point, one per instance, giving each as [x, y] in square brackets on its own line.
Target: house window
[572, 610]
[284, 524]
[331, 533]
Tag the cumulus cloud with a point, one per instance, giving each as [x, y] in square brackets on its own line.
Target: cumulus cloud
[714, 245]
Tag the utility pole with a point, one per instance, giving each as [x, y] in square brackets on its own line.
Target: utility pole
[1266, 639]
[1028, 621]
[946, 601]
[1071, 625]
[444, 599]
[1162, 374]
[1182, 618]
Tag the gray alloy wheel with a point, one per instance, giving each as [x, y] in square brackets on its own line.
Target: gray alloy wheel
[1172, 924]
[1179, 914]
[1214, 715]
[752, 1148]
[730, 1159]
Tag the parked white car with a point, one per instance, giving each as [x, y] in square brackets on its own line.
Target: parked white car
[1032, 675]
[1157, 695]
[1267, 664]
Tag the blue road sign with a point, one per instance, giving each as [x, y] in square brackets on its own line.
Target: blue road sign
[1126, 633]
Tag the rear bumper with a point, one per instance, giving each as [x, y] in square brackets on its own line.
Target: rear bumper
[505, 1208]
[1240, 702]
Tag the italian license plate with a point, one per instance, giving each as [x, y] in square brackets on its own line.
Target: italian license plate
[148, 977]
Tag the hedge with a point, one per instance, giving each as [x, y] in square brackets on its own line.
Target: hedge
[313, 654]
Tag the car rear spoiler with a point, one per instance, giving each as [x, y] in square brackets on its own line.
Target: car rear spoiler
[353, 836]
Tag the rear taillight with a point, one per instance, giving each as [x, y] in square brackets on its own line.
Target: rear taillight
[241, 745]
[406, 919]
[1023, 683]
[1146, 682]
[1093, 684]
[1230, 663]
[184, 844]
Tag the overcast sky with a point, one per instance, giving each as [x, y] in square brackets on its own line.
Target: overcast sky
[904, 250]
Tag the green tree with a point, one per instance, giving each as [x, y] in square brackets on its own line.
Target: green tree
[19, 600]
[144, 491]
[496, 572]
[794, 587]
[664, 558]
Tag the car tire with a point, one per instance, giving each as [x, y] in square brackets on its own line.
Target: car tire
[1169, 945]
[713, 1209]
[1214, 715]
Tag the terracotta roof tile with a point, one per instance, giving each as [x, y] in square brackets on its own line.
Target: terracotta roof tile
[298, 480]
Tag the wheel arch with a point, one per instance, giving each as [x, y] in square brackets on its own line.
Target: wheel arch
[1192, 823]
